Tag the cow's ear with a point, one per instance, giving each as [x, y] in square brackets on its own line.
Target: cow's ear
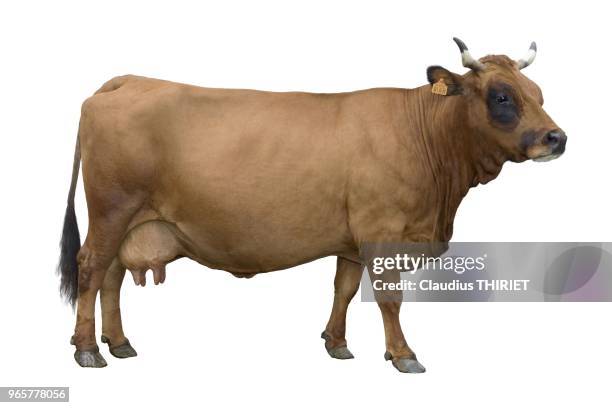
[440, 77]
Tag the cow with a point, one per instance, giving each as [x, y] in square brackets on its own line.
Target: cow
[250, 181]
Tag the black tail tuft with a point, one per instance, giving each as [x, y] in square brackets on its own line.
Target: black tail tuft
[68, 267]
[70, 243]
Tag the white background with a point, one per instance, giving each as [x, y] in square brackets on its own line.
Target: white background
[209, 339]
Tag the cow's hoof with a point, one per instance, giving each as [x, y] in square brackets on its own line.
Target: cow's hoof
[341, 353]
[124, 350]
[89, 359]
[406, 365]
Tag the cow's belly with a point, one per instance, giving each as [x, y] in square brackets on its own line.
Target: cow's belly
[251, 232]
[154, 244]
[255, 253]
[247, 221]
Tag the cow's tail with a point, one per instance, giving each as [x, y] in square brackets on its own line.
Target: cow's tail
[70, 242]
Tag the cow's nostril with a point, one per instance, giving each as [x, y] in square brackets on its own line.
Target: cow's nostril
[552, 137]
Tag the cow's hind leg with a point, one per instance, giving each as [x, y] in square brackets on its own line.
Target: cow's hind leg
[107, 225]
[112, 329]
[346, 283]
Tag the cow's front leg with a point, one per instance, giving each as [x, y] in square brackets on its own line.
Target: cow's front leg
[112, 329]
[346, 283]
[389, 301]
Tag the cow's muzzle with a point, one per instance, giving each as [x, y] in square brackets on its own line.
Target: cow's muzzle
[554, 141]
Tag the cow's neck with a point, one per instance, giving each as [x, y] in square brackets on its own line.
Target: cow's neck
[457, 156]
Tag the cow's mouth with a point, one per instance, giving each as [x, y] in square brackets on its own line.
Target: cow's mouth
[547, 157]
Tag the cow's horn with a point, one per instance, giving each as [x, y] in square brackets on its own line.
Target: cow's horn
[466, 58]
[528, 59]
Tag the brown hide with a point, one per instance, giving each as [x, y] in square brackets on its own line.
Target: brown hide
[256, 181]
[250, 181]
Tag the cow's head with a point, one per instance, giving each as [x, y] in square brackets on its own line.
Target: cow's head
[502, 104]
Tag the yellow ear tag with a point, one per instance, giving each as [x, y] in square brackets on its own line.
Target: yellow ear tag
[439, 88]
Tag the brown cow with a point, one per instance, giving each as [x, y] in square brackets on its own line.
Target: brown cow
[250, 182]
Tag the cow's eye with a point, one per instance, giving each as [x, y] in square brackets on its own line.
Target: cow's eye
[502, 99]
[502, 106]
